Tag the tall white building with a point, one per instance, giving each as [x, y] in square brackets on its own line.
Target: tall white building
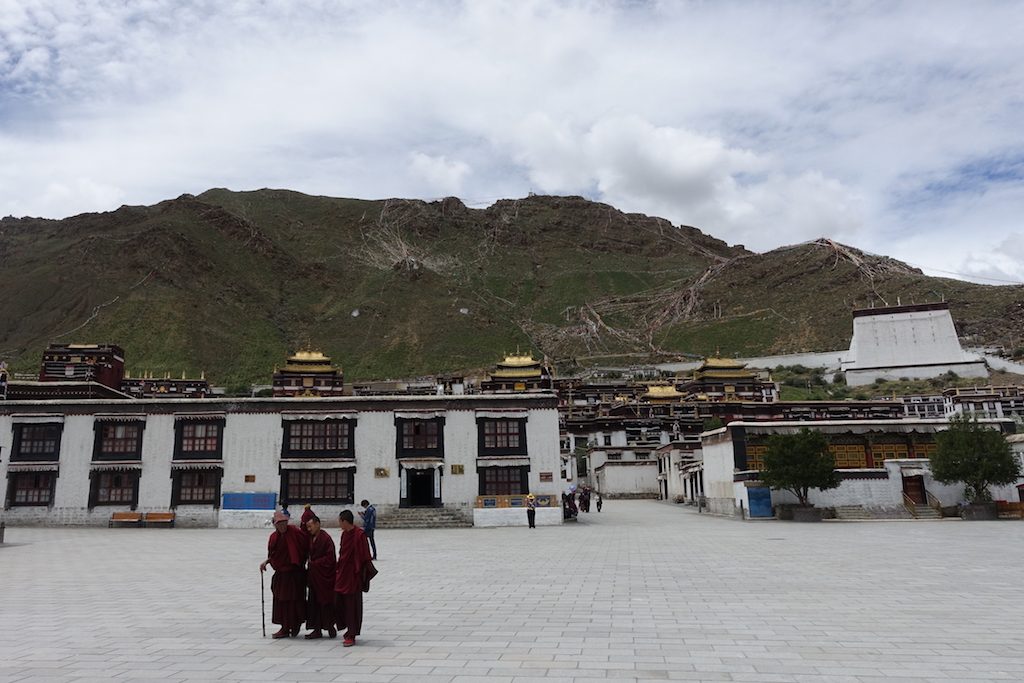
[915, 342]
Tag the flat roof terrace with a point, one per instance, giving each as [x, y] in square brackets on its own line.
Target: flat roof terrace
[641, 591]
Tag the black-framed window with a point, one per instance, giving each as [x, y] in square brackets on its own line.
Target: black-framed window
[196, 487]
[199, 439]
[318, 486]
[36, 442]
[420, 437]
[501, 436]
[318, 439]
[118, 441]
[31, 488]
[115, 487]
[504, 481]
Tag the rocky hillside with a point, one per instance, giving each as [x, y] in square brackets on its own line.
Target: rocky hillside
[229, 282]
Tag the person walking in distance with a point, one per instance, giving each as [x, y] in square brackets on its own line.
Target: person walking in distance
[600, 502]
[287, 549]
[353, 555]
[531, 511]
[369, 515]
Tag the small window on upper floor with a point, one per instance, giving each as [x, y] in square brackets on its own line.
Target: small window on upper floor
[318, 439]
[35, 442]
[199, 440]
[420, 437]
[504, 436]
[118, 441]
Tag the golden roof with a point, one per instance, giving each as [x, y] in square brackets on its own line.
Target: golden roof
[516, 373]
[291, 367]
[309, 361]
[662, 391]
[519, 361]
[722, 363]
[309, 357]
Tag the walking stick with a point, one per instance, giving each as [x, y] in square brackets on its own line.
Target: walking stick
[263, 604]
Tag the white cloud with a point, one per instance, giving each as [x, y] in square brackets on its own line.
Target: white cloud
[759, 123]
[439, 172]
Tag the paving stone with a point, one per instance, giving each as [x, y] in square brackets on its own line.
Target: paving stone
[642, 591]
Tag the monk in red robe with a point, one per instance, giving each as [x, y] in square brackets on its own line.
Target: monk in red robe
[320, 577]
[287, 549]
[353, 555]
[307, 512]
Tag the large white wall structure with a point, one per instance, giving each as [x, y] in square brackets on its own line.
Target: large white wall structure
[916, 342]
[229, 462]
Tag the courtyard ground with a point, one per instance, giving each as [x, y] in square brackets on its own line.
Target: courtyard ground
[641, 591]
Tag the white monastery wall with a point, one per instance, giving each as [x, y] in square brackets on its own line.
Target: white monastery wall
[252, 447]
[630, 479]
[906, 338]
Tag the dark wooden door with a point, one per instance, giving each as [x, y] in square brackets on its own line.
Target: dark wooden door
[914, 488]
[421, 487]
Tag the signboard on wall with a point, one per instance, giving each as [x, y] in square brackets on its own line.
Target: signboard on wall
[249, 501]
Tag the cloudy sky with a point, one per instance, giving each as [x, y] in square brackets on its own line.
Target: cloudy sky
[897, 128]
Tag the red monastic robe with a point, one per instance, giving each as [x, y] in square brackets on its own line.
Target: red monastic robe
[307, 514]
[353, 554]
[287, 553]
[321, 568]
[320, 577]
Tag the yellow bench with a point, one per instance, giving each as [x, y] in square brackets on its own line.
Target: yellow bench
[158, 519]
[125, 519]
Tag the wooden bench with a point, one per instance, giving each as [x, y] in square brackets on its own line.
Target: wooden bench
[125, 519]
[158, 519]
[1010, 509]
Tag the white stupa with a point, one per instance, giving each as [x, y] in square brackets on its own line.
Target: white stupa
[916, 342]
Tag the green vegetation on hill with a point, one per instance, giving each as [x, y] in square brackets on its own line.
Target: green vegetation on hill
[231, 282]
[797, 383]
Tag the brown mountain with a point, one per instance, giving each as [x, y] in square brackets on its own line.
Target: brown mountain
[230, 282]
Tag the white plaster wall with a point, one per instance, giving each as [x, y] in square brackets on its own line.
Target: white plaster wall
[595, 459]
[495, 517]
[622, 480]
[865, 492]
[76, 442]
[460, 448]
[375, 441]
[542, 443]
[252, 445]
[157, 452]
[909, 338]
[718, 469]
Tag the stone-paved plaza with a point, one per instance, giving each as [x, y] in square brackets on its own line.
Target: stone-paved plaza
[641, 591]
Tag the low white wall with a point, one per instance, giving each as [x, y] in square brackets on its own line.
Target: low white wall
[640, 480]
[859, 378]
[494, 517]
[245, 519]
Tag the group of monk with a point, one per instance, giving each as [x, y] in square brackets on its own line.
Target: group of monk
[312, 586]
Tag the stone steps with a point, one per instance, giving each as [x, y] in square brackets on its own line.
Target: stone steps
[423, 518]
[859, 513]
